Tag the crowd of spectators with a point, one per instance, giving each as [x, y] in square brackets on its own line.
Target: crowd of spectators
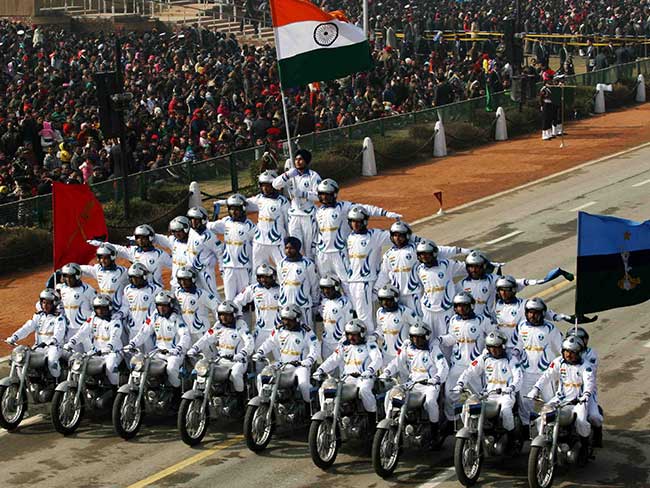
[201, 94]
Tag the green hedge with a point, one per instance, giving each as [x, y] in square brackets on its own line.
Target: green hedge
[23, 248]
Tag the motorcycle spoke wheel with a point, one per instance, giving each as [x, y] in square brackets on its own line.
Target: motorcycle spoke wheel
[68, 412]
[130, 413]
[261, 428]
[12, 409]
[325, 442]
[544, 468]
[471, 462]
[195, 420]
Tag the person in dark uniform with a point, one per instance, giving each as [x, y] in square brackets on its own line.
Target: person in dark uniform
[556, 123]
[546, 105]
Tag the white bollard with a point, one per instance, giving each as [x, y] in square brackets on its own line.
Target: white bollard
[501, 129]
[368, 164]
[439, 141]
[195, 195]
[599, 103]
[640, 89]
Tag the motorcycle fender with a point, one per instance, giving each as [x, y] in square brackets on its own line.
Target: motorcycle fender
[255, 401]
[320, 415]
[464, 433]
[385, 424]
[192, 395]
[126, 388]
[9, 380]
[539, 441]
[65, 385]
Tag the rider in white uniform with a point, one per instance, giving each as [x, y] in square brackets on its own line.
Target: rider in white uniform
[204, 251]
[336, 311]
[176, 242]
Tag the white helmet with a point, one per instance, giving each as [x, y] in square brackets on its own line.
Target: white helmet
[265, 270]
[291, 311]
[137, 269]
[236, 200]
[164, 297]
[356, 326]
[535, 304]
[267, 177]
[388, 291]
[144, 230]
[496, 339]
[328, 185]
[102, 300]
[419, 328]
[358, 213]
[198, 213]
[427, 246]
[476, 258]
[463, 298]
[401, 227]
[506, 281]
[51, 295]
[227, 306]
[573, 344]
[180, 223]
[107, 249]
[71, 269]
[186, 272]
[329, 281]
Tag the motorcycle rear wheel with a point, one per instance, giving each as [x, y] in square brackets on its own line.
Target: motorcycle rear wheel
[11, 413]
[385, 452]
[192, 425]
[540, 469]
[466, 463]
[125, 406]
[64, 422]
[322, 447]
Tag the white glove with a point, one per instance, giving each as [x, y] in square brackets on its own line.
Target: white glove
[239, 358]
[458, 389]
[257, 357]
[367, 374]
[94, 242]
[177, 351]
[532, 394]
[306, 363]
[384, 376]
[435, 381]
[293, 172]
[584, 398]
[67, 347]
[318, 375]
[509, 390]
[11, 341]
[393, 215]
[192, 352]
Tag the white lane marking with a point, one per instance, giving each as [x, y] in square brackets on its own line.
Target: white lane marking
[584, 205]
[641, 183]
[531, 183]
[647, 344]
[5, 359]
[28, 421]
[439, 478]
[505, 237]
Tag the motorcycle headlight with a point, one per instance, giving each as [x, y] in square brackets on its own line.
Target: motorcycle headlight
[202, 367]
[76, 365]
[267, 375]
[18, 355]
[137, 362]
[397, 396]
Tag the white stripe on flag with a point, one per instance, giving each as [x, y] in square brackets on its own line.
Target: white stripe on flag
[298, 37]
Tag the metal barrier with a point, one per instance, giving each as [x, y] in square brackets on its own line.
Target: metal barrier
[230, 172]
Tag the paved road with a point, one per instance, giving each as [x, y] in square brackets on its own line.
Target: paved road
[533, 229]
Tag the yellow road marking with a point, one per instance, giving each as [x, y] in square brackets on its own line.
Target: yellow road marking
[187, 462]
[553, 289]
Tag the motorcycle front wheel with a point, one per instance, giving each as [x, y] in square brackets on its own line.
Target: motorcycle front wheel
[192, 423]
[127, 415]
[540, 468]
[12, 406]
[257, 431]
[323, 447]
[65, 412]
[385, 452]
[466, 463]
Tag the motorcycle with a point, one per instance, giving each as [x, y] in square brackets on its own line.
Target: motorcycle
[29, 380]
[406, 424]
[146, 391]
[341, 417]
[481, 435]
[85, 388]
[212, 396]
[278, 403]
[556, 443]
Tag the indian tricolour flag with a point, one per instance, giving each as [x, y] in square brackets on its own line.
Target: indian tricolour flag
[313, 45]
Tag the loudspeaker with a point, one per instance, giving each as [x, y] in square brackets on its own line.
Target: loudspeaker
[109, 119]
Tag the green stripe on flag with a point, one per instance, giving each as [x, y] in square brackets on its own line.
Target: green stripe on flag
[325, 64]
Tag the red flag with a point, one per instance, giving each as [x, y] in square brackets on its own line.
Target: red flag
[77, 216]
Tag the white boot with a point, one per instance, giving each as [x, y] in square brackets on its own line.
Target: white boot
[558, 130]
[546, 135]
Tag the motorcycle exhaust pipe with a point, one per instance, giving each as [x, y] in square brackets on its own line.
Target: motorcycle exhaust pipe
[104, 401]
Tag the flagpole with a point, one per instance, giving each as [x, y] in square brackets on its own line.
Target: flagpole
[365, 18]
[577, 273]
